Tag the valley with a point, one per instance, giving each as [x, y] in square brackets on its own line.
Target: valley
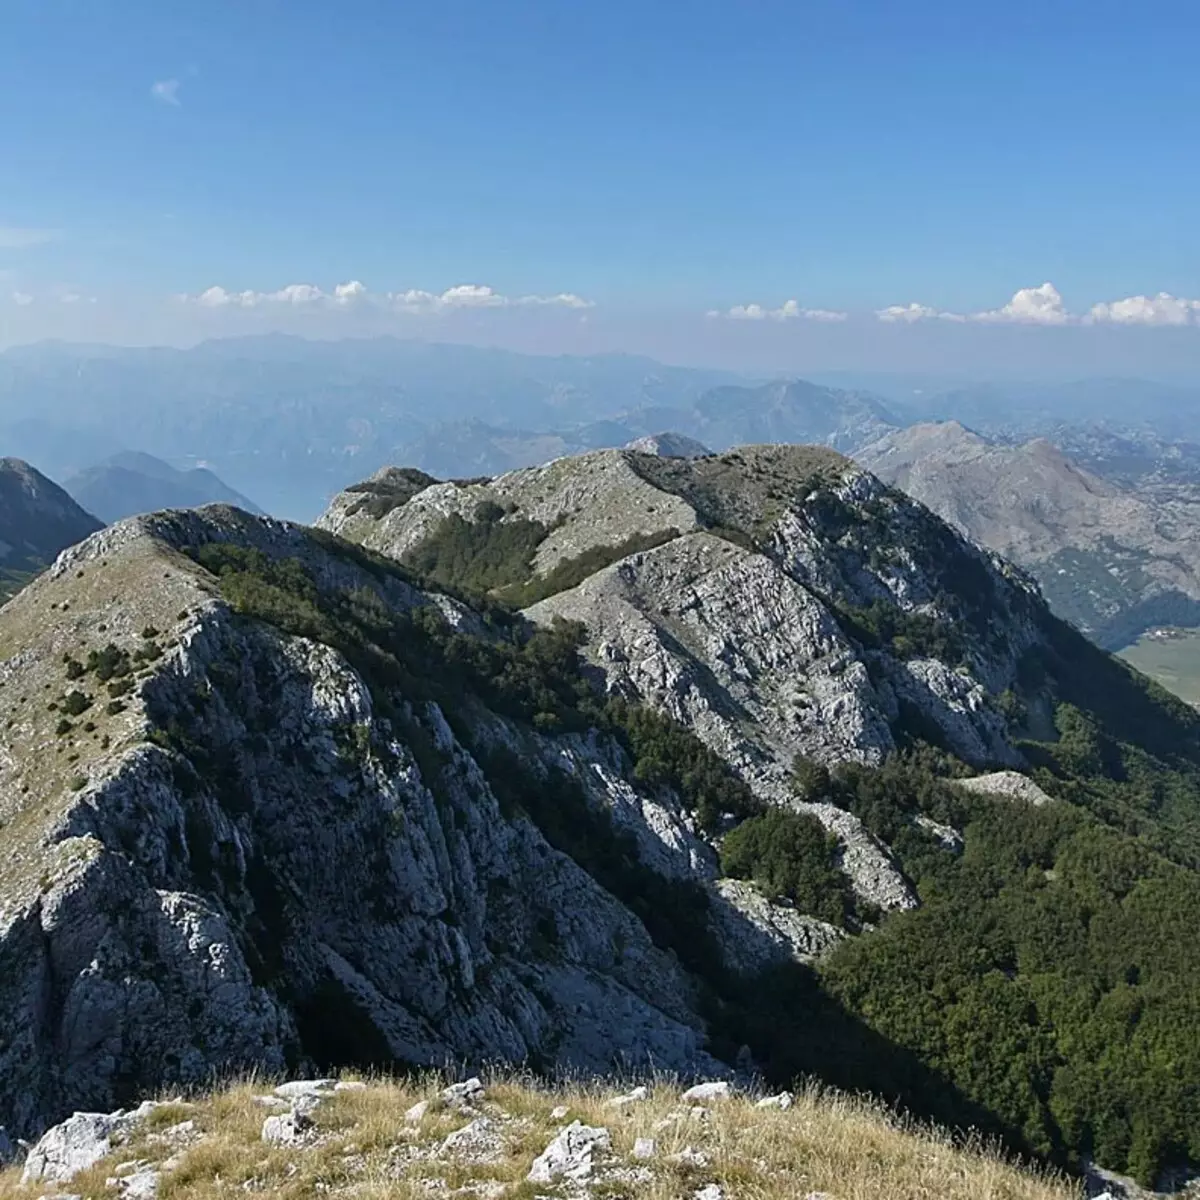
[1172, 661]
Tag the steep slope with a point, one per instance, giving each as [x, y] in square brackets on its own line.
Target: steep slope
[853, 659]
[130, 483]
[37, 520]
[227, 845]
[270, 798]
[1113, 561]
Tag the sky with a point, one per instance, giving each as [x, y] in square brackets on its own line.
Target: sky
[859, 184]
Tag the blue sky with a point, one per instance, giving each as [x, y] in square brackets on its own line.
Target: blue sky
[613, 173]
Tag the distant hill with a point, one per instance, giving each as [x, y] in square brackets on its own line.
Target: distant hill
[788, 411]
[1113, 559]
[669, 445]
[37, 520]
[131, 483]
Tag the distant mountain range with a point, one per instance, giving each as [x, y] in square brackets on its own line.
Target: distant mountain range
[131, 482]
[1114, 559]
[291, 422]
[37, 521]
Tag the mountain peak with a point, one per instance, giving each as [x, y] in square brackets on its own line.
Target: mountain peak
[38, 519]
[669, 445]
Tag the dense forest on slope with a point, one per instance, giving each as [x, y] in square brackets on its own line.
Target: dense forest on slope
[1045, 989]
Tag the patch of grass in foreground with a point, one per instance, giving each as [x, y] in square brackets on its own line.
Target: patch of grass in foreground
[363, 1146]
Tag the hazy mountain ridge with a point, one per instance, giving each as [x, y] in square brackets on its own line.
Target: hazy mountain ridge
[130, 483]
[292, 421]
[1114, 560]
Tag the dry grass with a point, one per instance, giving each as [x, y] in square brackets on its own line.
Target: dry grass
[363, 1147]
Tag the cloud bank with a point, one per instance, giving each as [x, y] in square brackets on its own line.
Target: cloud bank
[1044, 306]
[789, 310]
[355, 294]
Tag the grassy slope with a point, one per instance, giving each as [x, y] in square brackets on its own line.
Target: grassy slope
[363, 1146]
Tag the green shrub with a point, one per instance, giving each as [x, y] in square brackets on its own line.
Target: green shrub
[109, 662]
[478, 556]
[790, 854]
[570, 572]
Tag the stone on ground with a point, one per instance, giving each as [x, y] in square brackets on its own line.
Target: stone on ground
[721, 1090]
[287, 1129]
[569, 1156]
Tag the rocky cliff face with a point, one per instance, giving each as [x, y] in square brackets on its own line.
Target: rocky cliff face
[737, 625]
[240, 861]
[234, 835]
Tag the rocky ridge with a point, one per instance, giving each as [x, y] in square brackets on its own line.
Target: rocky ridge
[235, 836]
[735, 625]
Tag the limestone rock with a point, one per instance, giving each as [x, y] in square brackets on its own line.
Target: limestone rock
[636, 1096]
[784, 1100]
[287, 1129]
[644, 1147]
[306, 1088]
[1008, 784]
[755, 933]
[141, 1184]
[470, 1091]
[478, 1142]
[416, 1114]
[703, 1093]
[77, 1143]
[570, 1157]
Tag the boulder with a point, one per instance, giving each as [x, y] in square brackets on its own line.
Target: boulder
[469, 1092]
[77, 1143]
[287, 1129]
[306, 1087]
[704, 1092]
[569, 1156]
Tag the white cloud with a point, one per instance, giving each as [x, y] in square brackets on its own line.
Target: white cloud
[166, 91]
[16, 238]
[22, 299]
[789, 310]
[346, 294]
[1030, 306]
[1044, 306]
[1163, 309]
[415, 300]
[909, 314]
[561, 300]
